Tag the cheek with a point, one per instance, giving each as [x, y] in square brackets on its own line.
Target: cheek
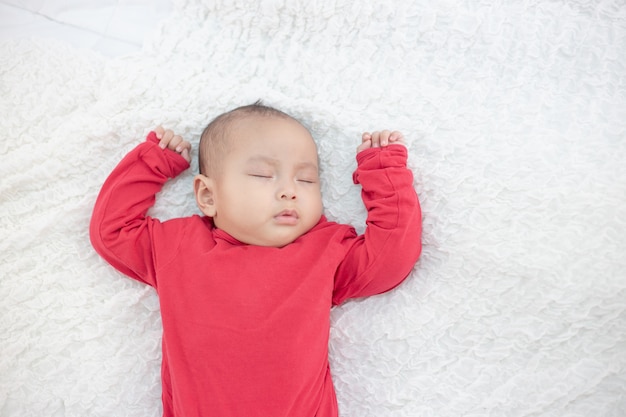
[236, 197]
[251, 197]
[314, 200]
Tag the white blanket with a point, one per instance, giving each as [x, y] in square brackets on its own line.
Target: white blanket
[516, 117]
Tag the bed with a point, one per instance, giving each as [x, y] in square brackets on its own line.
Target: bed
[515, 117]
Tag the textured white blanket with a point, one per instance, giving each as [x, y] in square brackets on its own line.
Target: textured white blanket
[516, 114]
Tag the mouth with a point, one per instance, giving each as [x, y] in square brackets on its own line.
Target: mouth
[287, 217]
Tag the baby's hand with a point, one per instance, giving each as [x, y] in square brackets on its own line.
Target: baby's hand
[173, 142]
[380, 139]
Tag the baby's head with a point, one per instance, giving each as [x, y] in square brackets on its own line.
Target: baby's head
[216, 139]
[259, 176]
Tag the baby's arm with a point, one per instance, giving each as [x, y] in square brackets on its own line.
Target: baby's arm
[120, 230]
[384, 255]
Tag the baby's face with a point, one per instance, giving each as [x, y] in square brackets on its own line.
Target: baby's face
[268, 191]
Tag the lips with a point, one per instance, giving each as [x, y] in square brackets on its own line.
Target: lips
[287, 217]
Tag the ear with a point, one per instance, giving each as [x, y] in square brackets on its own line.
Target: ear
[204, 190]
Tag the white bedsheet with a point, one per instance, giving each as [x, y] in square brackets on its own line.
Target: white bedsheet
[515, 113]
[110, 27]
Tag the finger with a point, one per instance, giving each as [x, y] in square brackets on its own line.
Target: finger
[384, 137]
[366, 142]
[376, 140]
[175, 142]
[396, 136]
[185, 154]
[365, 145]
[166, 139]
[181, 144]
[183, 147]
[159, 131]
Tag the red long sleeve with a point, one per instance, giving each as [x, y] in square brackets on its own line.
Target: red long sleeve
[120, 231]
[381, 259]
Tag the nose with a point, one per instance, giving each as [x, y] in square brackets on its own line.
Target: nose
[286, 191]
[287, 195]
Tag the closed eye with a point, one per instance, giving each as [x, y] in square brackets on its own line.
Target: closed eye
[260, 176]
[306, 181]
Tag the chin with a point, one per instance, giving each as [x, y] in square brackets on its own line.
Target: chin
[282, 242]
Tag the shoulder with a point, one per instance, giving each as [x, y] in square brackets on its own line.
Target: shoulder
[188, 231]
[329, 231]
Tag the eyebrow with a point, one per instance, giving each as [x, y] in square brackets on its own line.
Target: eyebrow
[274, 162]
[264, 159]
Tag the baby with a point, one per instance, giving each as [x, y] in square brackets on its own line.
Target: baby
[246, 289]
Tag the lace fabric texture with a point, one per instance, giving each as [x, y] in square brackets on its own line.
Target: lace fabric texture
[514, 117]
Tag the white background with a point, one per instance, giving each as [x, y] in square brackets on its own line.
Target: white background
[110, 27]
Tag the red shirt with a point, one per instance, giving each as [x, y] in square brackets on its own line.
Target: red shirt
[245, 328]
